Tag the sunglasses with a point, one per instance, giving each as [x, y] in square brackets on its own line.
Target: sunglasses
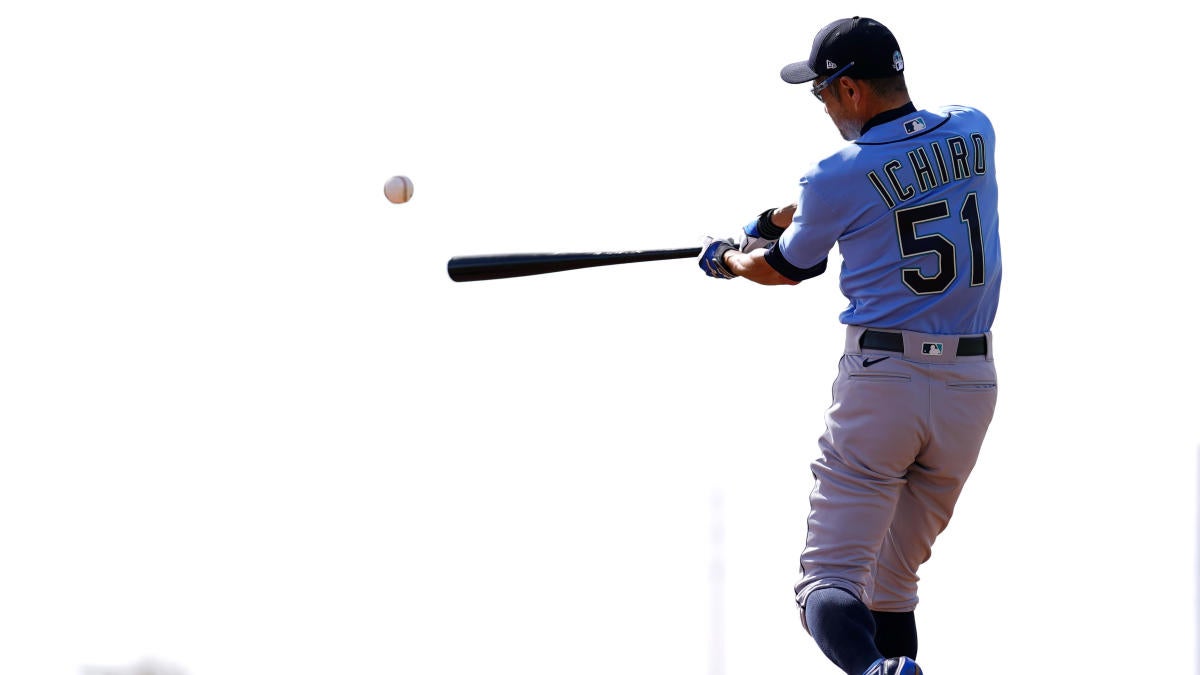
[818, 88]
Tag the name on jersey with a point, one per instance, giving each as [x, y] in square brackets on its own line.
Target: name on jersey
[944, 161]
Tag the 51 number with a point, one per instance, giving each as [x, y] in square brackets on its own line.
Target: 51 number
[912, 244]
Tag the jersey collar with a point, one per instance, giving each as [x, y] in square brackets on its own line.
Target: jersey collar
[888, 116]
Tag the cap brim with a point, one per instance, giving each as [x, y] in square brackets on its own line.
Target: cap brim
[795, 73]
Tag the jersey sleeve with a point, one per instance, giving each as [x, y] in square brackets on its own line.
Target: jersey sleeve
[815, 228]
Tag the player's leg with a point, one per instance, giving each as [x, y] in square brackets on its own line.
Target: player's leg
[961, 407]
[896, 633]
[873, 432]
[842, 627]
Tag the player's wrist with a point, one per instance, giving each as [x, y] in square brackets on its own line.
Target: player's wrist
[767, 229]
[725, 261]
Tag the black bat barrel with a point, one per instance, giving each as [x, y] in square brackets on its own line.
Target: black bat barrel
[506, 265]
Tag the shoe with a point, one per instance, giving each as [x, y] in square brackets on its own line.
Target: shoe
[897, 666]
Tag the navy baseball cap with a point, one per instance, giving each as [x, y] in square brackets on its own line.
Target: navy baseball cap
[866, 43]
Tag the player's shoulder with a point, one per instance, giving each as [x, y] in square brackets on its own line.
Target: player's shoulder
[833, 166]
[958, 109]
[968, 119]
[964, 112]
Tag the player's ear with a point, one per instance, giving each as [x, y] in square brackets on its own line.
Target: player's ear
[851, 88]
[844, 87]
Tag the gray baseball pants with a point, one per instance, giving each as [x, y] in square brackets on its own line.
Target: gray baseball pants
[902, 435]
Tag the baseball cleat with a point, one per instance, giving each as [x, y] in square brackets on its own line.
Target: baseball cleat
[898, 666]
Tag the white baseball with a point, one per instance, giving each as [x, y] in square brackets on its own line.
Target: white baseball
[398, 189]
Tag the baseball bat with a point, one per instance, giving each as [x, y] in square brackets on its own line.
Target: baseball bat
[506, 265]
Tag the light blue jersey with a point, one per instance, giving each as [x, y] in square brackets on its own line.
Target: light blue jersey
[912, 207]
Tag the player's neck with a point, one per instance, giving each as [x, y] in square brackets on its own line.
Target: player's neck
[885, 109]
[888, 115]
[878, 105]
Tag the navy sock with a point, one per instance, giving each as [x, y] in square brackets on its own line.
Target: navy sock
[896, 634]
[843, 628]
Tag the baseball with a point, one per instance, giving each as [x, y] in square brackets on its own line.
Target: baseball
[398, 189]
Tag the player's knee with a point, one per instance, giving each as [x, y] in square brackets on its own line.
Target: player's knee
[806, 588]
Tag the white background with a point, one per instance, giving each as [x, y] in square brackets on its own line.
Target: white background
[249, 426]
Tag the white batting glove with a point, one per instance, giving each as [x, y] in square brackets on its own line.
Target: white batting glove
[759, 233]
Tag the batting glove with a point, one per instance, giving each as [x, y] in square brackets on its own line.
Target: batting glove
[759, 233]
[712, 257]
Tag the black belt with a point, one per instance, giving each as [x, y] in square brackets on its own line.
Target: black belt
[974, 345]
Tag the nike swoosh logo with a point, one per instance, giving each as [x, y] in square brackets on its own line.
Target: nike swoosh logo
[868, 362]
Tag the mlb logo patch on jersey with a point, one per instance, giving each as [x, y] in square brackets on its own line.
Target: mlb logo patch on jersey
[914, 125]
[931, 348]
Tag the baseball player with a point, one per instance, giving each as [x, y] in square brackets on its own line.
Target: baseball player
[910, 202]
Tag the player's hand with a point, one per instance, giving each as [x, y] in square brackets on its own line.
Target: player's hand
[759, 233]
[712, 257]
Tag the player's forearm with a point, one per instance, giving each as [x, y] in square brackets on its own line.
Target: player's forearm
[753, 266]
[783, 216]
[743, 257]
